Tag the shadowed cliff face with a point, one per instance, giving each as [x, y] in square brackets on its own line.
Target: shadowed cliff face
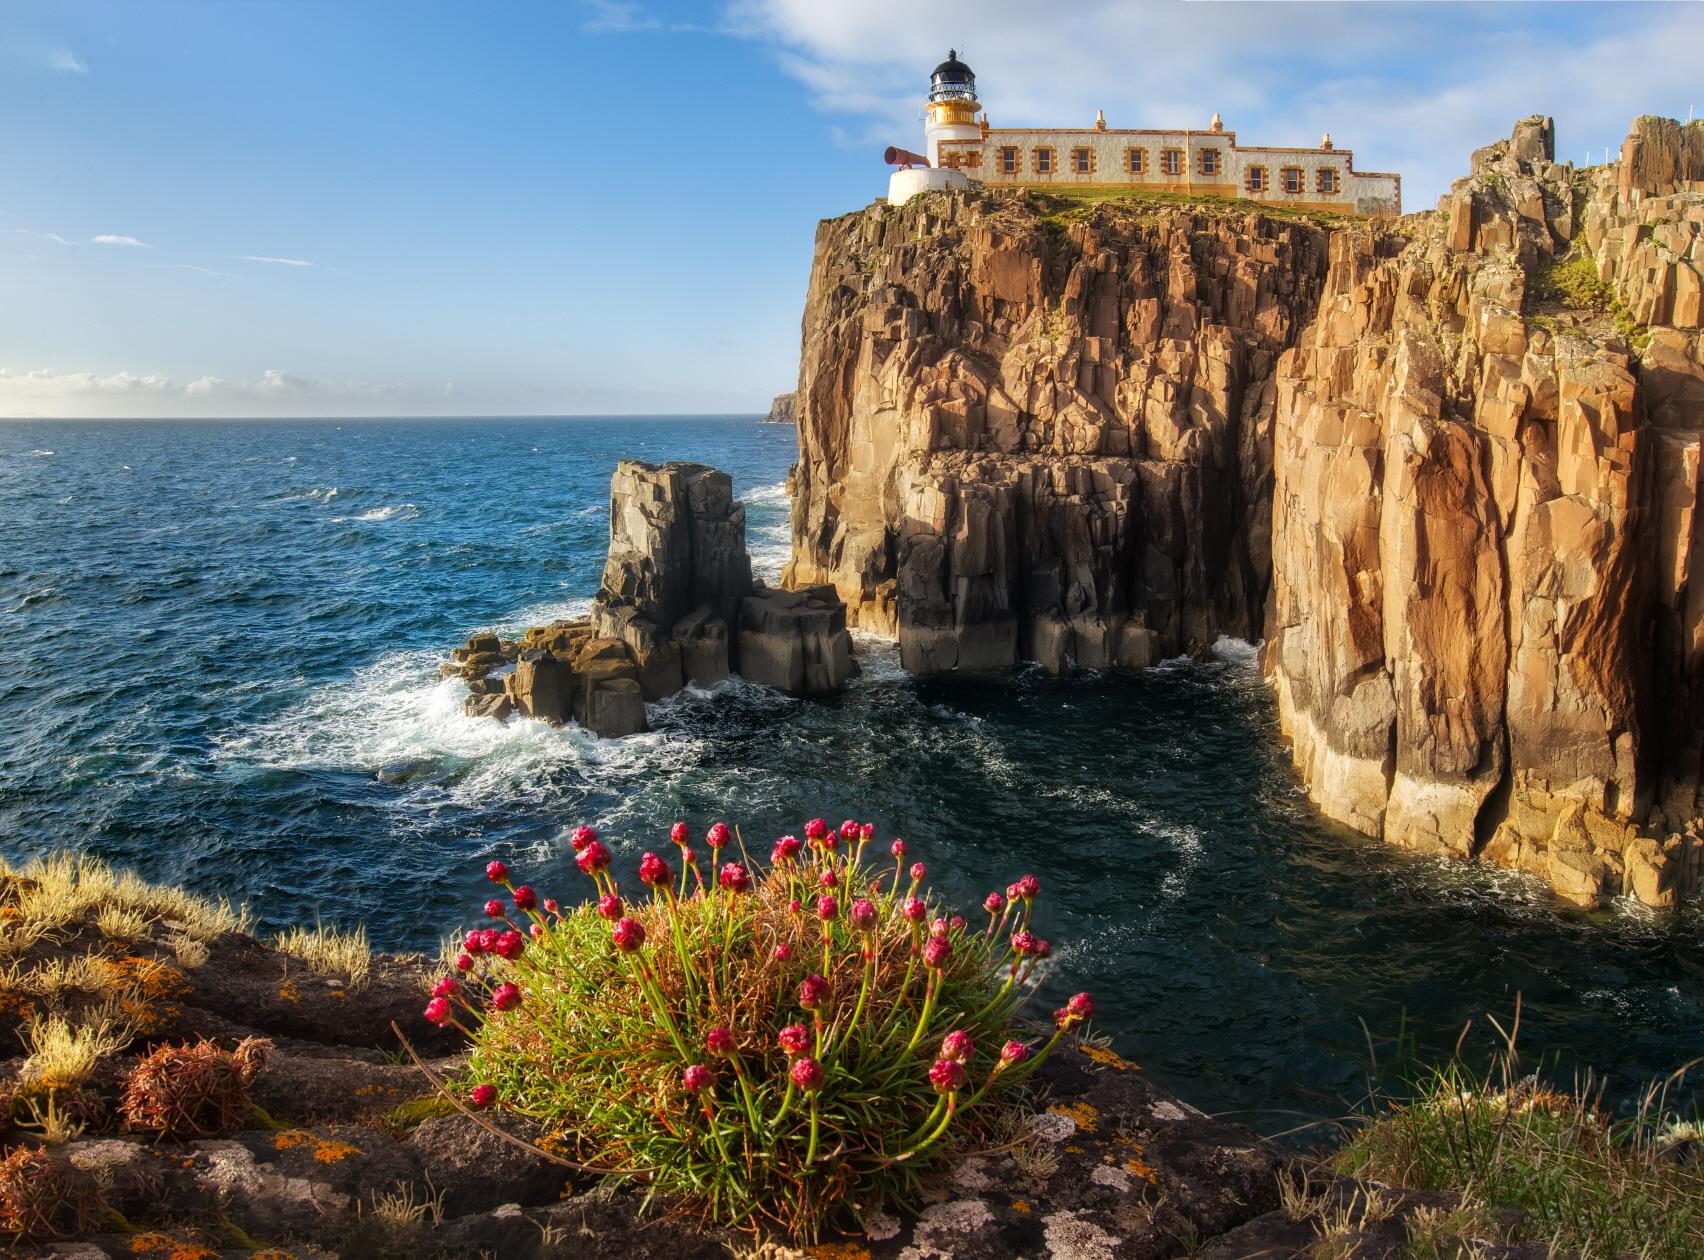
[1447, 467]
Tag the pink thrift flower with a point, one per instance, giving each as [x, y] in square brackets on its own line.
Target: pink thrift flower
[525, 898]
[914, 910]
[993, 903]
[938, 928]
[464, 962]
[898, 849]
[483, 1096]
[550, 906]
[947, 1076]
[719, 1041]
[919, 871]
[510, 945]
[1081, 1005]
[937, 951]
[795, 1039]
[808, 1075]
[795, 905]
[506, 997]
[863, 915]
[594, 857]
[654, 872]
[445, 987]
[827, 907]
[584, 836]
[783, 952]
[866, 831]
[1023, 943]
[1029, 887]
[487, 939]
[816, 829]
[734, 877]
[1042, 949]
[956, 923]
[718, 836]
[679, 834]
[609, 907]
[848, 830]
[628, 935]
[438, 1011]
[813, 992]
[496, 872]
[696, 1078]
[537, 931]
[785, 850]
[1013, 1052]
[958, 1046]
[496, 909]
[828, 879]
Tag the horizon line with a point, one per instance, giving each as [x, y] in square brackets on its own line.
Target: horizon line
[516, 415]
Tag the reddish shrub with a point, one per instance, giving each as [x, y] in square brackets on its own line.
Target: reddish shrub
[192, 1091]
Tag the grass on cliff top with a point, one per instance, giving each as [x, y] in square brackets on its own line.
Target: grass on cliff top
[1075, 205]
[1572, 283]
[1582, 1183]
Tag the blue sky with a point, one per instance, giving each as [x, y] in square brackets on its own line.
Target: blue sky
[343, 207]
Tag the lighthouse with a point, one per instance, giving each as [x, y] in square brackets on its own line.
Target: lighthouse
[952, 106]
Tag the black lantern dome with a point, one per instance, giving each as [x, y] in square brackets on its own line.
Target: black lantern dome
[952, 80]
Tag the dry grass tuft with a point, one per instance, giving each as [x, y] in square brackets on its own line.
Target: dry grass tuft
[331, 951]
[189, 952]
[65, 1052]
[122, 923]
[49, 895]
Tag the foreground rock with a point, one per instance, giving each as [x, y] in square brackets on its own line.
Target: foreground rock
[677, 605]
[1446, 466]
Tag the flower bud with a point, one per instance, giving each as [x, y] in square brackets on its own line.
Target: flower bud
[863, 915]
[956, 923]
[828, 879]
[696, 1078]
[914, 910]
[594, 857]
[785, 850]
[487, 939]
[718, 836]
[609, 907]
[628, 935]
[795, 905]
[783, 952]
[795, 1039]
[482, 1096]
[525, 898]
[918, 871]
[816, 829]
[506, 997]
[898, 849]
[550, 906]
[866, 831]
[1041, 950]
[584, 836]
[813, 992]
[438, 1011]
[464, 962]
[510, 945]
[679, 834]
[1029, 887]
[938, 928]
[937, 951]
[446, 987]
[849, 831]
[947, 1076]
[808, 1075]
[958, 1047]
[1013, 1053]
[1081, 1005]
[495, 908]
[827, 907]
[1023, 943]
[734, 877]
[496, 872]
[993, 903]
[654, 872]
[536, 931]
[719, 1041]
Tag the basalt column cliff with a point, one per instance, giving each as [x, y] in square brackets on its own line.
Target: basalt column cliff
[1446, 466]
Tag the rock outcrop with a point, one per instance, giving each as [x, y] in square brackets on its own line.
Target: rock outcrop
[1447, 466]
[677, 605]
[784, 410]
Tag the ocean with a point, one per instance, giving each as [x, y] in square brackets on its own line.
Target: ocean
[218, 663]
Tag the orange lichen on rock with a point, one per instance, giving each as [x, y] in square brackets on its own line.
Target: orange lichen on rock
[1084, 1115]
[325, 1150]
[1107, 1058]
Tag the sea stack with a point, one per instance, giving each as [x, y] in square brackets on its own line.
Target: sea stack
[677, 605]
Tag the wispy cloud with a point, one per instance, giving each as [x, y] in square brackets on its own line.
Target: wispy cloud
[112, 238]
[44, 236]
[206, 271]
[277, 391]
[617, 17]
[282, 262]
[66, 61]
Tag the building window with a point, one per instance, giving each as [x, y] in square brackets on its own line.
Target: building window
[1292, 179]
[1082, 161]
[1138, 159]
[1044, 161]
[1008, 161]
[1209, 161]
[1256, 179]
[1327, 182]
[1171, 161]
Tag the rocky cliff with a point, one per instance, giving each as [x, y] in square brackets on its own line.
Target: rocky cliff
[1446, 466]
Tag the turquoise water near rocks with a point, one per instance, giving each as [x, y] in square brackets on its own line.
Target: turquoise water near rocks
[218, 662]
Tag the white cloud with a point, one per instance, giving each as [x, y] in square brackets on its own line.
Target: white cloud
[1410, 88]
[65, 60]
[47, 394]
[110, 238]
[606, 17]
[206, 271]
[282, 262]
[45, 236]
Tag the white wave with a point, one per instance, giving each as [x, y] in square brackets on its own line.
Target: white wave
[543, 614]
[1237, 652]
[41, 454]
[322, 494]
[401, 511]
[768, 496]
[878, 659]
[769, 535]
[67, 499]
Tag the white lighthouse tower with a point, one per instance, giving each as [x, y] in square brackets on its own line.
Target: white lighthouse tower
[952, 110]
[952, 106]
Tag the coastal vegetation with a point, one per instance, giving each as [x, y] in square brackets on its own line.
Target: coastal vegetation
[776, 1045]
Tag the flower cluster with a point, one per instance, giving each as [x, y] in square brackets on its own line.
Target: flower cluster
[775, 1041]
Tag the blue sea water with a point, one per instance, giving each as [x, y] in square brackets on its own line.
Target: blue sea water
[218, 663]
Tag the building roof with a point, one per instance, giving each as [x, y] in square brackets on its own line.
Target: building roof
[952, 70]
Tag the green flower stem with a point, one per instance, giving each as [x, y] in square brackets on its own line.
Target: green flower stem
[928, 1010]
[952, 1102]
[928, 1121]
[786, 1105]
[655, 997]
[811, 1150]
[747, 1102]
[864, 989]
[716, 1132]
